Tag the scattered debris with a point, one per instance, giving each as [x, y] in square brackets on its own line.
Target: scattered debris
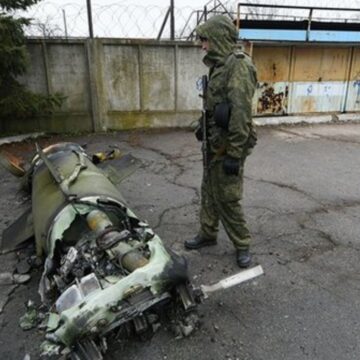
[8, 278]
[19, 138]
[31, 318]
[49, 349]
[23, 266]
[104, 156]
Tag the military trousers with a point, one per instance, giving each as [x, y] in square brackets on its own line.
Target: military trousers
[220, 201]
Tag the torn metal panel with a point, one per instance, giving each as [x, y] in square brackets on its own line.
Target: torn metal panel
[18, 232]
[120, 168]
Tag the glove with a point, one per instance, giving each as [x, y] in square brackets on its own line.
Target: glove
[231, 165]
[198, 133]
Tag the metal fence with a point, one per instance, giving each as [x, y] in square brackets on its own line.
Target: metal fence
[51, 18]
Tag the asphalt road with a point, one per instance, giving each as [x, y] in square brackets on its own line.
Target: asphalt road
[302, 202]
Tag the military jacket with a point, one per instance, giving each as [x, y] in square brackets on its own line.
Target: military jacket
[233, 82]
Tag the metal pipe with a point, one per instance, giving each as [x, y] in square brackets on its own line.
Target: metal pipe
[351, 61]
[238, 18]
[298, 7]
[65, 25]
[128, 257]
[309, 25]
[172, 20]
[164, 23]
[90, 21]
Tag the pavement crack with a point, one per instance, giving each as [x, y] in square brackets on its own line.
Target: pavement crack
[319, 136]
[289, 187]
[161, 216]
[336, 139]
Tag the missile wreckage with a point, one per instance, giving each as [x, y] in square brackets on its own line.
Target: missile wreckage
[105, 271]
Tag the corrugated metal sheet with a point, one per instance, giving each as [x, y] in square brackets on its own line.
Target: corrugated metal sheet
[311, 97]
[306, 79]
[353, 94]
[320, 64]
[273, 73]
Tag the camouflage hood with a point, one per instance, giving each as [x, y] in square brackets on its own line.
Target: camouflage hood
[222, 36]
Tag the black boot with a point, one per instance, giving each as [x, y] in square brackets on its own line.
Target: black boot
[243, 258]
[198, 242]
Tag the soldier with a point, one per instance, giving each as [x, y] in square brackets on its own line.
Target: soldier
[229, 135]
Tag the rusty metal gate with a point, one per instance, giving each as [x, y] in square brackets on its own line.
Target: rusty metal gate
[300, 79]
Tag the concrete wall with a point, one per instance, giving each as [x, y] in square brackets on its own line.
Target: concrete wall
[114, 84]
[122, 84]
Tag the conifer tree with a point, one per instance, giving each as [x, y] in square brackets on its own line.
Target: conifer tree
[16, 101]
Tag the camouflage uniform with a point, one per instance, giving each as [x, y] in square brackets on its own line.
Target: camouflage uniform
[232, 79]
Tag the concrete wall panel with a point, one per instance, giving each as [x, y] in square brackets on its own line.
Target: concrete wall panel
[158, 78]
[69, 75]
[190, 69]
[35, 77]
[121, 77]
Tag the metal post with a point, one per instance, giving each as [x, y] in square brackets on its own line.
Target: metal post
[238, 18]
[65, 25]
[205, 13]
[309, 25]
[176, 76]
[172, 20]
[90, 60]
[348, 79]
[164, 23]
[141, 77]
[46, 67]
[91, 30]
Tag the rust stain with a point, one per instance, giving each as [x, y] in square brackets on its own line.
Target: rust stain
[329, 64]
[272, 63]
[308, 105]
[272, 102]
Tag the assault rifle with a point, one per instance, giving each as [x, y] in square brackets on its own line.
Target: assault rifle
[204, 122]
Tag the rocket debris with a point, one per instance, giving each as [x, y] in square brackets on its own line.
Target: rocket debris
[105, 270]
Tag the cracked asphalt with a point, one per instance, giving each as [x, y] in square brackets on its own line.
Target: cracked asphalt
[302, 202]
